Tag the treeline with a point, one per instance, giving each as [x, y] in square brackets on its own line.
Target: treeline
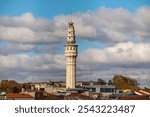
[10, 86]
[120, 81]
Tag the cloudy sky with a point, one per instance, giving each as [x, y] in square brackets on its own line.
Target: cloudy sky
[113, 38]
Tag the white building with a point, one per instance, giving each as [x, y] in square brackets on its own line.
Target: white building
[104, 90]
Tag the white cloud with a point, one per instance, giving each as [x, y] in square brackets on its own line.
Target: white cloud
[28, 29]
[124, 58]
[140, 74]
[105, 25]
[23, 68]
[120, 54]
[16, 34]
[14, 48]
[32, 63]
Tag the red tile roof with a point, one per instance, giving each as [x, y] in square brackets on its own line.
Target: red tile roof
[142, 92]
[54, 97]
[146, 91]
[83, 97]
[134, 98]
[73, 94]
[139, 93]
[18, 95]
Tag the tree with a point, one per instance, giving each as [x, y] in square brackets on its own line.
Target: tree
[26, 86]
[110, 82]
[101, 81]
[10, 86]
[16, 89]
[123, 82]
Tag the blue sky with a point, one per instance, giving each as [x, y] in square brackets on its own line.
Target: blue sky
[51, 8]
[111, 35]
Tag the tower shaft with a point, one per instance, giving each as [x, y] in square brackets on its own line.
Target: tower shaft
[71, 54]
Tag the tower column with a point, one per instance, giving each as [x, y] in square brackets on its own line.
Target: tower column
[71, 54]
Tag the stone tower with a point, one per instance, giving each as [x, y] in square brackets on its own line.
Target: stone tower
[71, 54]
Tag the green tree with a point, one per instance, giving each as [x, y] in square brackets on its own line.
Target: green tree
[123, 82]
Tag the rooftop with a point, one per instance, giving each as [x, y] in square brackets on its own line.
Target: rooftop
[83, 97]
[142, 92]
[101, 86]
[134, 98]
[18, 95]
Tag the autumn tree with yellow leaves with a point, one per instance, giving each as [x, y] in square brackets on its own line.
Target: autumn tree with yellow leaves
[123, 82]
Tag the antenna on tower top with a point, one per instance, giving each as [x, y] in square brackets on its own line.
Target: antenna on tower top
[71, 17]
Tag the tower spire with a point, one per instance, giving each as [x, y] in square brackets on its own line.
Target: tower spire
[71, 17]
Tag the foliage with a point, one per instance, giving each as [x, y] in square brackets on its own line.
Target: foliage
[123, 82]
[101, 81]
[26, 86]
[110, 82]
[10, 86]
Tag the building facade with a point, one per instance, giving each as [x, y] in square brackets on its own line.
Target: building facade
[105, 90]
[71, 54]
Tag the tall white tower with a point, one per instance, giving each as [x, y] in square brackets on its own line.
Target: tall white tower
[71, 54]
